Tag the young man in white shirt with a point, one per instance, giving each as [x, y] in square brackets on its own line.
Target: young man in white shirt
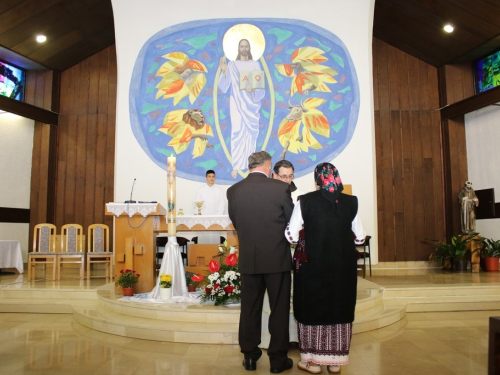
[211, 195]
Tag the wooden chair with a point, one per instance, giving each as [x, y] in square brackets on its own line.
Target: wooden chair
[98, 251]
[366, 253]
[44, 249]
[72, 251]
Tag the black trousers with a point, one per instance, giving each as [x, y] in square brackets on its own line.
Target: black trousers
[253, 288]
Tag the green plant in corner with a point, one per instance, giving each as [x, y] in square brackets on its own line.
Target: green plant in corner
[489, 248]
[453, 250]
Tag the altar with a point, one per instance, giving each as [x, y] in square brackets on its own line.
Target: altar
[136, 228]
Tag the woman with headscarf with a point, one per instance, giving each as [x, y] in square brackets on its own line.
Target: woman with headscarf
[326, 226]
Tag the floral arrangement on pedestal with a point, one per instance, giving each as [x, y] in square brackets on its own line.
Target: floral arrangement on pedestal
[165, 281]
[224, 282]
[127, 279]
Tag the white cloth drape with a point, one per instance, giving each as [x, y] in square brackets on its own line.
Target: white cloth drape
[171, 264]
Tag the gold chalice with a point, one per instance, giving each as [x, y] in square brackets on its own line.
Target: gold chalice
[199, 205]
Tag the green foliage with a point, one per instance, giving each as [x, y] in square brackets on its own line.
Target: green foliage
[455, 249]
[489, 248]
[128, 278]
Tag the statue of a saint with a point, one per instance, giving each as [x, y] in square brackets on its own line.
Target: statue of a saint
[468, 202]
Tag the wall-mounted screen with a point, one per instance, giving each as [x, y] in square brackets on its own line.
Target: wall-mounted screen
[12, 81]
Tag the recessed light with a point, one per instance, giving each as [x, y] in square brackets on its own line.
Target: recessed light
[448, 28]
[41, 38]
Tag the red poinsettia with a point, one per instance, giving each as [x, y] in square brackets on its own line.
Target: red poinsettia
[231, 260]
[214, 266]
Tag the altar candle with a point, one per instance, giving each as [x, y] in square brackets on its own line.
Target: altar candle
[172, 222]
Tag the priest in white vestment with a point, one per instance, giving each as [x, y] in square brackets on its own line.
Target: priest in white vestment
[244, 104]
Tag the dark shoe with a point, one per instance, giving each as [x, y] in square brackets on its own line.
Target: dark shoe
[250, 364]
[287, 366]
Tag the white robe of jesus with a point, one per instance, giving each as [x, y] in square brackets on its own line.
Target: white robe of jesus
[244, 112]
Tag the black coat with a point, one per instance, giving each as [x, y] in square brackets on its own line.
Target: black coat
[324, 289]
[260, 208]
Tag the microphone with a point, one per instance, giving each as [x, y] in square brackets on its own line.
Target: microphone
[131, 192]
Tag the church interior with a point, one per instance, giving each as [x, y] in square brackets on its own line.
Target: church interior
[427, 132]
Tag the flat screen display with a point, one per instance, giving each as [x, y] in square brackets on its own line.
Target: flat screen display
[12, 81]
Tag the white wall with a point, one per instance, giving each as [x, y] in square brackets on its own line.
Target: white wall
[482, 129]
[16, 147]
[351, 21]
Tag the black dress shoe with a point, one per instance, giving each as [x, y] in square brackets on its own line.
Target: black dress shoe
[288, 365]
[250, 364]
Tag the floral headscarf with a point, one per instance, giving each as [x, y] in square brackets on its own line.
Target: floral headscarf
[328, 179]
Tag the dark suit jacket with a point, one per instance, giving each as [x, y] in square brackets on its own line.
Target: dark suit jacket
[260, 208]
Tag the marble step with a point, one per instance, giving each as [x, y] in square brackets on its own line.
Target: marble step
[450, 298]
[157, 330]
[56, 301]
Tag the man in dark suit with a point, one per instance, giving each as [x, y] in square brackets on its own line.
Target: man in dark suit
[260, 208]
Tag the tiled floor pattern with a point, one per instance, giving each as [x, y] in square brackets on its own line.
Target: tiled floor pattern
[423, 343]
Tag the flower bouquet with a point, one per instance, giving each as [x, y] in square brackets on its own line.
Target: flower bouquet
[224, 282]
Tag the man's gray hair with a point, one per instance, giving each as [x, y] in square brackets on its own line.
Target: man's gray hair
[258, 159]
[284, 164]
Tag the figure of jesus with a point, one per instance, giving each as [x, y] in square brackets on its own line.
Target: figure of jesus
[244, 106]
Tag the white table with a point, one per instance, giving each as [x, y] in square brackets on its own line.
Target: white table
[10, 255]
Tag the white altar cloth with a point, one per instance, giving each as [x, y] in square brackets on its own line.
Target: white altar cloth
[10, 255]
[131, 208]
[205, 220]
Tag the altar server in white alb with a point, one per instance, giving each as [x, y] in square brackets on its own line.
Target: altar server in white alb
[212, 196]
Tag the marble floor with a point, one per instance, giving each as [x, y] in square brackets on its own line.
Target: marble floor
[423, 343]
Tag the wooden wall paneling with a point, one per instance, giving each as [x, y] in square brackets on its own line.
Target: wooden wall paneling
[42, 175]
[90, 169]
[381, 75]
[403, 81]
[408, 183]
[100, 168]
[416, 190]
[459, 82]
[397, 163]
[414, 92]
[392, 55]
[406, 144]
[385, 187]
[83, 109]
[80, 168]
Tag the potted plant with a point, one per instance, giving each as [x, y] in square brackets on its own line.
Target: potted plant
[452, 254]
[127, 280]
[192, 281]
[165, 287]
[490, 252]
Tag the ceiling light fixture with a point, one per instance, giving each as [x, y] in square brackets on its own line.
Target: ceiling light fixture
[448, 28]
[41, 38]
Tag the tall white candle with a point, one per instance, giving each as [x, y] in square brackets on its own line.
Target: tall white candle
[171, 219]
